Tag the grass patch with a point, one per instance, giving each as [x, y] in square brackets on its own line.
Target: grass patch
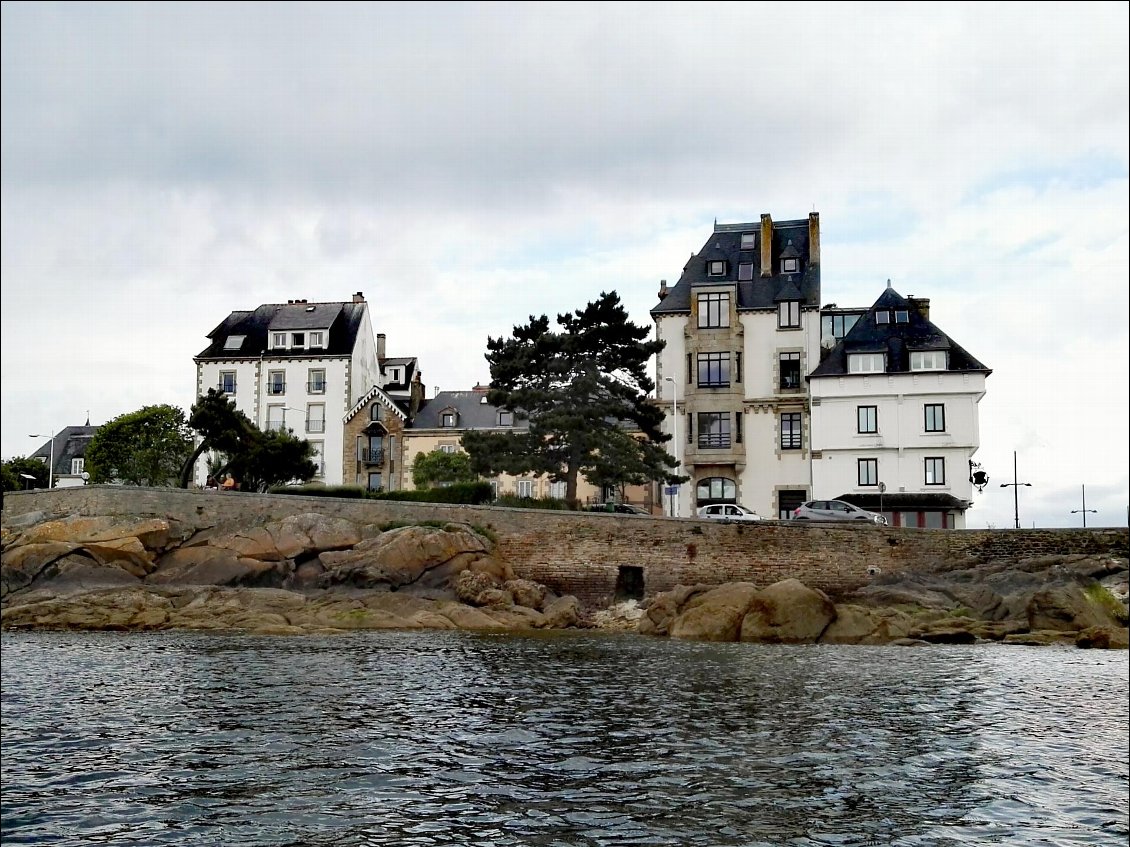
[1106, 601]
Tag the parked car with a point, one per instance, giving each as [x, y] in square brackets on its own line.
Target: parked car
[835, 510]
[728, 512]
[619, 508]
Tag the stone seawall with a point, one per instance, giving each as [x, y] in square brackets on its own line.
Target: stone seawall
[596, 556]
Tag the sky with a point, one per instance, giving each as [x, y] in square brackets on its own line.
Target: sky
[469, 165]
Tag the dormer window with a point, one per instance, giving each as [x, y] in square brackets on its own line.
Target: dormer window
[298, 339]
[928, 360]
[790, 266]
[278, 339]
[447, 419]
[745, 271]
[505, 418]
[317, 339]
[394, 375]
[716, 268]
[234, 342]
[864, 363]
[749, 240]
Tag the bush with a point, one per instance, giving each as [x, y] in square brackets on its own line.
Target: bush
[516, 502]
[463, 493]
[352, 492]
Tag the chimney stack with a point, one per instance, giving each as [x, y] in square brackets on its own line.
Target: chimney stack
[766, 245]
[380, 346]
[662, 289]
[814, 238]
[358, 297]
[921, 305]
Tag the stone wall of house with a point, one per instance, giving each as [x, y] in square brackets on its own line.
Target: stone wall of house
[585, 554]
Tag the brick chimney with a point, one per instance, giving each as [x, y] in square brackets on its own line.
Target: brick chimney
[380, 346]
[358, 297]
[920, 305]
[766, 245]
[814, 238]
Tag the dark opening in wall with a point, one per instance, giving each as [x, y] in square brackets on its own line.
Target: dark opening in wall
[629, 583]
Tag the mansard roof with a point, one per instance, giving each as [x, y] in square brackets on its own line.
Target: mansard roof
[470, 407]
[790, 240]
[341, 321]
[896, 340]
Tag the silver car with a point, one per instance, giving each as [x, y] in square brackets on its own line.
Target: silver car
[728, 512]
[835, 510]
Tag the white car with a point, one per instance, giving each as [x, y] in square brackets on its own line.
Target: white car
[728, 512]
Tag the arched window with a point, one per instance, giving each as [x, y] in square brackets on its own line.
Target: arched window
[716, 489]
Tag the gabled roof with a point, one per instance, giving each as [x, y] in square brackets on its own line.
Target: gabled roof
[790, 239]
[70, 443]
[471, 407]
[342, 321]
[400, 409]
[896, 340]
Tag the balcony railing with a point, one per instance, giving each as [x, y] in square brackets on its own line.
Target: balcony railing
[373, 456]
[276, 425]
[316, 387]
[226, 387]
[276, 388]
[714, 442]
[315, 425]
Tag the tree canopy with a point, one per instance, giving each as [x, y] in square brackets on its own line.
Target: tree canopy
[584, 391]
[437, 467]
[12, 469]
[146, 447]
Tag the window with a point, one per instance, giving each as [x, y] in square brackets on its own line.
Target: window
[716, 489]
[749, 240]
[738, 367]
[276, 382]
[790, 370]
[713, 311]
[935, 471]
[447, 448]
[557, 490]
[788, 314]
[745, 271]
[234, 342]
[935, 417]
[525, 488]
[928, 360]
[227, 382]
[316, 381]
[77, 465]
[316, 417]
[837, 326]
[790, 266]
[318, 458]
[713, 370]
[374, 481]
[376, 412]
[868, 471]
[394, 376]
[505, 418]
[298, 339]
[862, 363]
[317, 339]
[447, 419]
[276, 417]
[790, 431]
[788, 502]
[902, 316]
[716, 268]
[867, 419]
[278, 339]
[714, 430]
[883, 316]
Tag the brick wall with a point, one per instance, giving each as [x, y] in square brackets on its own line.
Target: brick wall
[581, 553]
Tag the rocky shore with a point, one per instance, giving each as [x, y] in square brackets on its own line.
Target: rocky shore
[310, 573]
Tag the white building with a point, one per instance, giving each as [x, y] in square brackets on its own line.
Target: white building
[742, 328]
[895, 417]
[297, 365]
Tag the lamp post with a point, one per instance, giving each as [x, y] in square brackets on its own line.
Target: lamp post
[1015, 485]
[51, 460]
[675, 435]
[1084, 510]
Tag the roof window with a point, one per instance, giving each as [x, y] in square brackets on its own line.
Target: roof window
[234, 342]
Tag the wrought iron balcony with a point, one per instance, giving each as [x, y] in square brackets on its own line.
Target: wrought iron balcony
[276, 388]
[315, 425]
[374, 456]
[316, 387]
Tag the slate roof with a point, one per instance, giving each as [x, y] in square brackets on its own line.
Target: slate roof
[896, 340]
[70, 443]
[790, 238]
[472, 411]
[342, 320]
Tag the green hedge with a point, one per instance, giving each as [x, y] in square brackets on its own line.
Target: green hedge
[352, 492]
[516, 502]
[465, 493]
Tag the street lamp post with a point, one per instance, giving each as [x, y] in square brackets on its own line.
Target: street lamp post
[51, 460]
[1015, 485]
[675, 435]
[1084, 510]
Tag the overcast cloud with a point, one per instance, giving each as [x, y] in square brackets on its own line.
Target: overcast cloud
[469, 165]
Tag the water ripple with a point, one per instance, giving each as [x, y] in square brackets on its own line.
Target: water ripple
[452, 738]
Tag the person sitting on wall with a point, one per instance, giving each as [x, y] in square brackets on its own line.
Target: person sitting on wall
[229, 483]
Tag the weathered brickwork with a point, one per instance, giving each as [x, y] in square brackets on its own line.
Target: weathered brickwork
[583, 553]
